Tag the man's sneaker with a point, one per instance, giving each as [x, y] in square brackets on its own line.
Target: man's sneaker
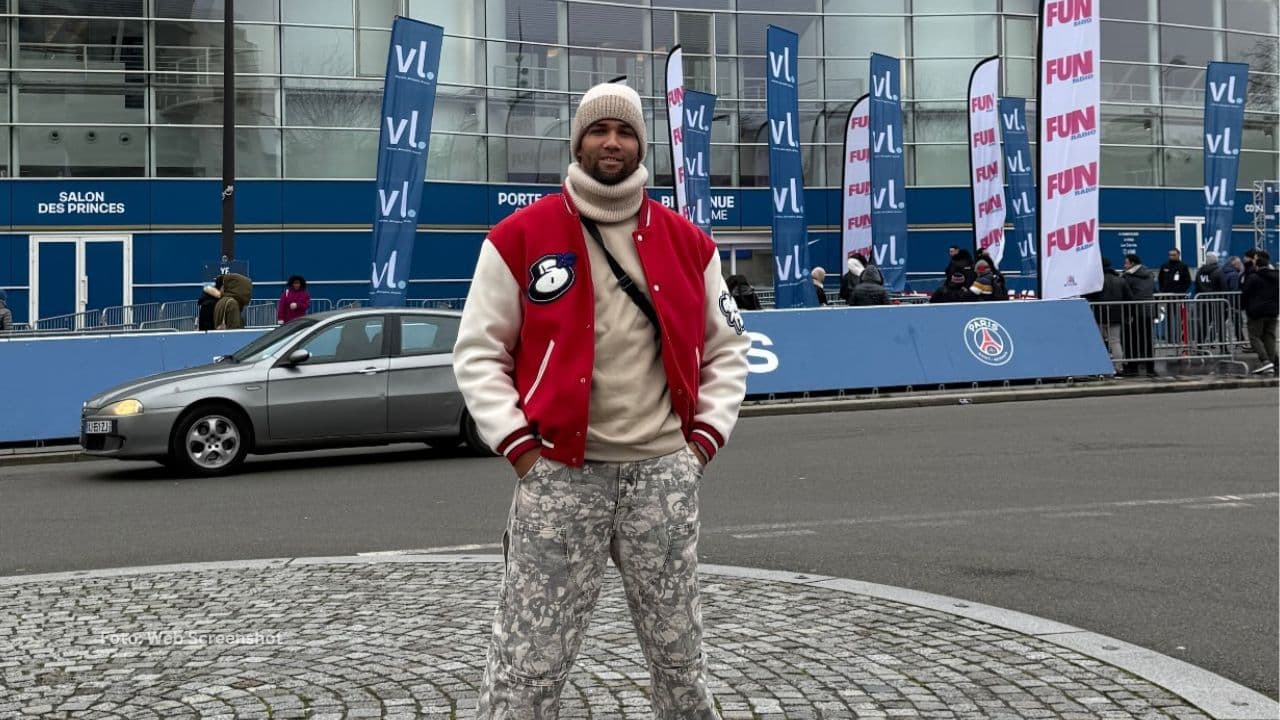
[1269, 367]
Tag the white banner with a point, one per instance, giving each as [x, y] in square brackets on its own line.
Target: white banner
[855, 222]
[986, 165]
[1068, 143]
[675, 123]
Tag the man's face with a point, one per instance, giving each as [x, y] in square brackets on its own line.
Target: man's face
[610, 151]
[1174, 255]
[952, 251]
[1128, 263]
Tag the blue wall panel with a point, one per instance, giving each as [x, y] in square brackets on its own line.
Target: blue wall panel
[186, 202]
[181, 257]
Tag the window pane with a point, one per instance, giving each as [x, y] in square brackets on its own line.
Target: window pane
[531, 114]
[74, 44]
[520, 160]
[1182, 86]
[940, 122]
[531, 21]
[318, 153]
[1256, 166]
[318, 12]
[56, 97]
[1255, 15]
[105, 8]
[458, 111]
[1020, 78]
[197, 152]
[332, 103]
[968, 36]
[591, 67]
[1183, 127]
[1260, 132]
[320, 51]
[1130, 10]
[374, 46]
[263, 10]
[938, 79]
[183, 47]
[751, 32]
[847, 79]
[350, 340]
[1181, 46]
[101, 151]
[944, 6]
[1183, 167]
[195, 103]
[865, 6]
[1126, 41]
[1129, 166]
[608, 27]
[1020, 37]
[381, 13]
[860, 36]
[4, 151]
[517, 65]
[1128, 83]
[1130, 126]
[457, 157]
[1186, 12]
[942, 164]
[1028, 7]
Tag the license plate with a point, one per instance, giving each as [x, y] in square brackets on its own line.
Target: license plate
[99, 427]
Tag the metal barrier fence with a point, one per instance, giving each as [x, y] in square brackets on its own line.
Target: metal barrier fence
[1182, 330]
[87, 320]
[129, 316]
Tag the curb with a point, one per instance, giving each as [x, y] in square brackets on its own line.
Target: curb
[804, 406]
[1215, 695]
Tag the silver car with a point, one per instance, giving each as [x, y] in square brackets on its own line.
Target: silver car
[366, 376]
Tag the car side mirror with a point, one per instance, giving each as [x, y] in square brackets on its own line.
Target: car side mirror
[297, 357]
[218, 358]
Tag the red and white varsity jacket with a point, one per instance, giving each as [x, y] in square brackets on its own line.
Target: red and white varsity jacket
[526, 348]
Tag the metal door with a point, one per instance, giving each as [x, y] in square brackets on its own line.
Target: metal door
[76, 273]
[1188, 239]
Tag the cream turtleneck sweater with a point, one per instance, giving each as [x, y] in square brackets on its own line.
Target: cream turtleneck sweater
[630, 416]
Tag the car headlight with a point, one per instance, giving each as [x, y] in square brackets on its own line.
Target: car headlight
[122, 408]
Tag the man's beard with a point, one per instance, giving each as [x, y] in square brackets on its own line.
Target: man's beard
[605, 178]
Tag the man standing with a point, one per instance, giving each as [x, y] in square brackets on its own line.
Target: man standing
[1137, 334]
[601, 353]
[1260, 299]
[1175, 276]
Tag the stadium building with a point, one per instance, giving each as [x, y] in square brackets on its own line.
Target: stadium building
[112, 146]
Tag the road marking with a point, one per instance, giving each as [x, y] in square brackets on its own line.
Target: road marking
[432, 550]
[1218, 506]
[775, 533]
[760, 528]
[1080, 514]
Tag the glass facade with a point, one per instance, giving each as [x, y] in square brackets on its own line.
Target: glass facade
[132, 88]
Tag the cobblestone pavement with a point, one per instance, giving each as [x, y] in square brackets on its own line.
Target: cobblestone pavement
[406, 640]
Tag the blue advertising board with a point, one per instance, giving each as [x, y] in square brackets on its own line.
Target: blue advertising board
[1225, 87]
[413, 63]
[791, 285]
[1020, 192]
[888, 172]
[699, 108]
[1271, 217]
[922, 345]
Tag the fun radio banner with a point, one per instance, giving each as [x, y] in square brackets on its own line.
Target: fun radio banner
[986, 167]
[675, 124]
[791, 285]
[1226, 85]
[855, 222]
[409, 95]
[699, 108]
[1020, 195]
[888, 172]
[1069, 117]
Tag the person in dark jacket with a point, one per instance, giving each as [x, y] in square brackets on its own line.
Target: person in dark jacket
[819, 276]
[6, 315]
[953, 290]
[870, 288]
[743, 294]
[1136, 338]
[1231, 272]
[961, 262]
[999, 288]
[1175, 276]
[1260, 299]
[1111, 317]
[1209, 279]
[209, 297]
[856, 265]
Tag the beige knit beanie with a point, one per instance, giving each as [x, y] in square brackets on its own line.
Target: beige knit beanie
[608, 101]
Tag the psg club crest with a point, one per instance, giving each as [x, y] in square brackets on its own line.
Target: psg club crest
[988, 341]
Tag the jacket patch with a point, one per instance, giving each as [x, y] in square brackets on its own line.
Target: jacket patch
[729, 309]
[551, 276]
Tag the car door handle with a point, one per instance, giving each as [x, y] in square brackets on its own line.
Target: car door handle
[371, 371]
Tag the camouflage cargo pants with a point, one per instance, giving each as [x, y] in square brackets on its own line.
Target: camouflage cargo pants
[563, 525]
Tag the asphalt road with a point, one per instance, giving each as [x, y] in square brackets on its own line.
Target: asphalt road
[1152, 518]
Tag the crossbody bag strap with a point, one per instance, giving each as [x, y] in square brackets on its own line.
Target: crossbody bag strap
[624, 280]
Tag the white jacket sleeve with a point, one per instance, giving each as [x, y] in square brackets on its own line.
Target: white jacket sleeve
[723, 374]
[483, 360]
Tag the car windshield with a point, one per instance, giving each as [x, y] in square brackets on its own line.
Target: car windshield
[271, 343]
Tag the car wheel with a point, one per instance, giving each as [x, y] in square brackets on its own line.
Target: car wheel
[210, 440]
[472, 436]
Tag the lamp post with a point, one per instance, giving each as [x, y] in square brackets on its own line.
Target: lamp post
[228, 131]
